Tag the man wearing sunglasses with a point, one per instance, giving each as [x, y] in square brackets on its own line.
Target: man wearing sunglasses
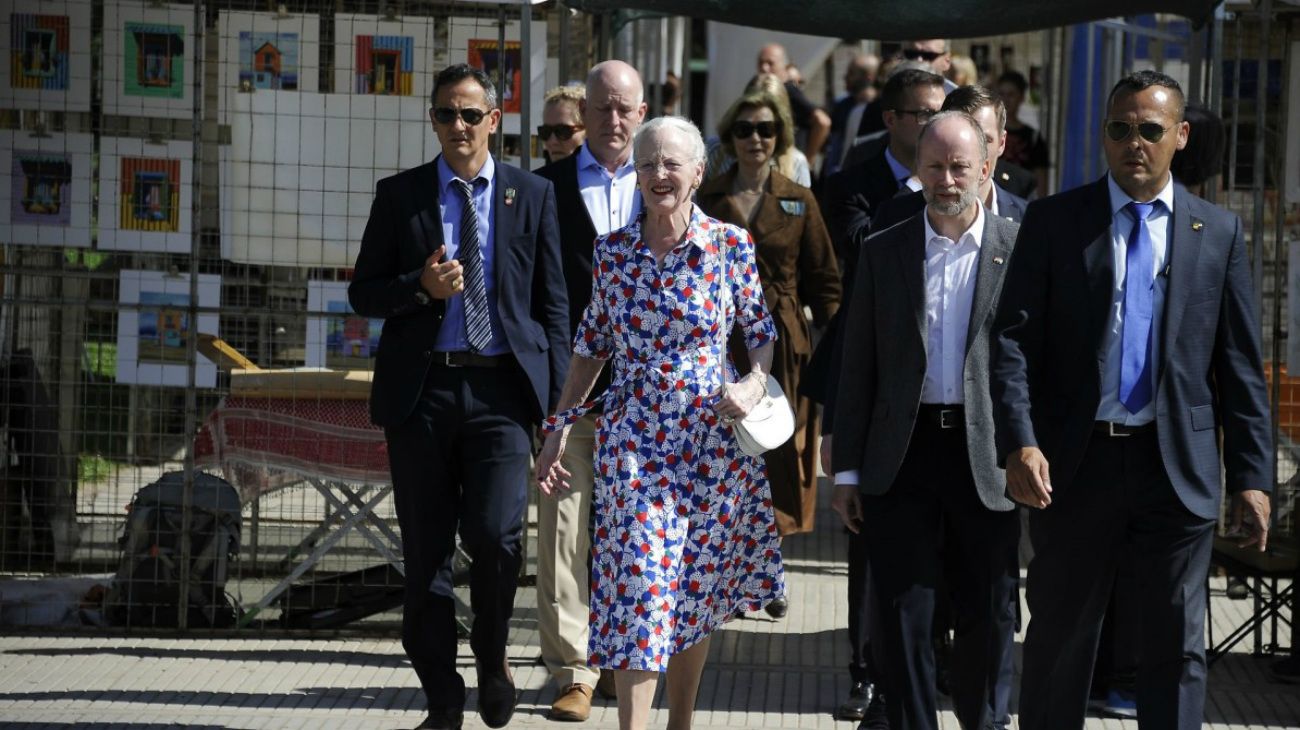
[934, 52]
[596, 192]
[461, 257]
[1127, 348]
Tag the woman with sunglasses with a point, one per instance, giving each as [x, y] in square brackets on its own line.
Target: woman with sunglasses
[791, 162]
[796, 266]
[561, 130]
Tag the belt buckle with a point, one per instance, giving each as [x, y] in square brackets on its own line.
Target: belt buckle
[444, 359]
[1111, 432]
[944, 420]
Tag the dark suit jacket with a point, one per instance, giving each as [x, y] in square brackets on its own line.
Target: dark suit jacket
[1015, 178]
[404, 229]
[577, 244]
[1049, 339]
[908, 203]
[884, 358]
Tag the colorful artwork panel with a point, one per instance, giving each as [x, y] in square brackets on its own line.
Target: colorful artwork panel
[39, 51]
[154, 61]
[41, 188]
[385, 65]
[268, 60]
[486, 55]
[149, 197]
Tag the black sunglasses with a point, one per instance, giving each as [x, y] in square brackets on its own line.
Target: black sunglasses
[916, 54]
[1119, 131]
[561, 131]
[743, 130]
[447, 115]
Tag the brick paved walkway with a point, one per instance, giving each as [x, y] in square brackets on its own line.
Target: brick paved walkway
[762, 673]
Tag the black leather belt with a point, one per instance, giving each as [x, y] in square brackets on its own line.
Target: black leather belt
[467, 360]
[942, 415]
[1119, 430]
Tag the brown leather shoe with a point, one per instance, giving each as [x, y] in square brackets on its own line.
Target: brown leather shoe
[573, 704]
[605, 686]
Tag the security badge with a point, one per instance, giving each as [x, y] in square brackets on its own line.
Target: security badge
[510, 196]
[792, 207]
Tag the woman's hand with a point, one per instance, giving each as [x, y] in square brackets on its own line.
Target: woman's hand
[550, 473]
[737, 399]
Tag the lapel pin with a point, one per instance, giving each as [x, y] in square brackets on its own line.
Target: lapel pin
[998, 260]
[1197, 225]
[1006, 176]
[510, 196]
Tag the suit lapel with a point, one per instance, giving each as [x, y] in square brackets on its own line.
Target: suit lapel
[994, 252]
[426, 225]
[1183, 242]
[1098, 261]
[911, 261]
[505, 201]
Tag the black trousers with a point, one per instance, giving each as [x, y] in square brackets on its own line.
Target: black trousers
[930, 533]
[863, 618]
[1120, 506]
[460, 463]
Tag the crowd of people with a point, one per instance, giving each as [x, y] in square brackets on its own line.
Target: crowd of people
[953, 353]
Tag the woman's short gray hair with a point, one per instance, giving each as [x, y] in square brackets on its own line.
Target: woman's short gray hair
[680, 125]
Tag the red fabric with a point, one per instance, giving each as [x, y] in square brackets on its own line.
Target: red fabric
[263, 444]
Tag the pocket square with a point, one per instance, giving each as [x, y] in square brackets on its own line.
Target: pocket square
[792, 207]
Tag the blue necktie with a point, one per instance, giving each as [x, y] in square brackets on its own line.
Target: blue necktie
[478, 328]
[1135, 381]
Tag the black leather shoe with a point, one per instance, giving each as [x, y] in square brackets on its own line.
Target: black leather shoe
[875, 717]
[496, 696]
[778, 608]
[443, 720]
[855, 707]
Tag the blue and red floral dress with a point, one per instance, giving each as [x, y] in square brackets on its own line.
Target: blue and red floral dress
[685, 534]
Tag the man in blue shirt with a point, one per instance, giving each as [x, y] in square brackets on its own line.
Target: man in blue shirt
[461, 258]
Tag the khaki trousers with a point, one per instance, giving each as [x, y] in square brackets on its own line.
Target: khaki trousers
[563, 580]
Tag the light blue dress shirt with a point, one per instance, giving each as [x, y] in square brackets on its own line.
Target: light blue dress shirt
[451, 335]
[1110, 408]
[901, 173]
[613, 201]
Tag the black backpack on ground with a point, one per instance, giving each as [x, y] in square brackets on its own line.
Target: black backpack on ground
[146, 589]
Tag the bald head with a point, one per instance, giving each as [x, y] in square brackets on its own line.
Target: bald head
[772, 59]
[614, 108]
[861, 72]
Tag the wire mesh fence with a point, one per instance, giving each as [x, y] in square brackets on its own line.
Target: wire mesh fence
[183, 190]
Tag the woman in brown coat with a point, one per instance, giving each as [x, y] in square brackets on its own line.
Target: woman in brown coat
[796, 265]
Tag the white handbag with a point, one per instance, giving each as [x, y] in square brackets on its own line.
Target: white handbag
[771, 422]
[768, 425]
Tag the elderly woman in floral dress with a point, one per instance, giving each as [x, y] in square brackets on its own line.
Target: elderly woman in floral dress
[685, 534]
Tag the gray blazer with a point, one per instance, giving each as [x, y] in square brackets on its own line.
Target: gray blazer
[884, 359]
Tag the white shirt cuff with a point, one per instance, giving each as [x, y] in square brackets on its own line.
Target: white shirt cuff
[846, 478]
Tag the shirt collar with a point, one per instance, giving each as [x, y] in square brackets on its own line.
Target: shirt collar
[588, 161]
[900, 170]
[993, 200]
[975, 232]
[698, 231]
[1119, 198]
[446, 175]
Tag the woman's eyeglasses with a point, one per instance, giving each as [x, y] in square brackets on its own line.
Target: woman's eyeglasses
[1119, 131]
[563, 132]
[743, 130]
[447, 115]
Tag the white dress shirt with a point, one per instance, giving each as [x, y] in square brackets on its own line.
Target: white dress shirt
[1110, 408]
[613, 201]
[951, 268]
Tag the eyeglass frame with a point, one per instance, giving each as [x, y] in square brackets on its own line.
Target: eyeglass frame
[463, 113]
[773, 125]
[922, 115]
[544, 131]
[917, 54]
[1136, 127]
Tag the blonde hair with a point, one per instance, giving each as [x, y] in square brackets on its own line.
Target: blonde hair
[574, 95]
[962, 70]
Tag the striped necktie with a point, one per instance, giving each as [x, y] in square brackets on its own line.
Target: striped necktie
[478, 328]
